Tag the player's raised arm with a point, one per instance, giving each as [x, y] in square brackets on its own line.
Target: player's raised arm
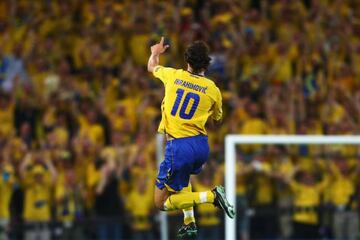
[156, 50]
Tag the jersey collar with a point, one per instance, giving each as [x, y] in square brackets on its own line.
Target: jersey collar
[195, 74]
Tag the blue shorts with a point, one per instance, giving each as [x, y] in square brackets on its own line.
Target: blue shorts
[183, 157]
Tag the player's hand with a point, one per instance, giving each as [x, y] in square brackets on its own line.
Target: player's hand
[159, 48]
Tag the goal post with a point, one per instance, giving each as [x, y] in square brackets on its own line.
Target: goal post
[232, 140]
[162, 217]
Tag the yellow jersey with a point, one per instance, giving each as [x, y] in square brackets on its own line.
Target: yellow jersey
[342, 187]
[188, 102]
[140, 212]
[65, 197]
[37, 199]
[306, 196]
[7, 181]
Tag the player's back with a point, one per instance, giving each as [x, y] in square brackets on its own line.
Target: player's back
[189, 101]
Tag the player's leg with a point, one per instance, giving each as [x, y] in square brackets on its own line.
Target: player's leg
[183, 200]
[188, 212]
[188, 155]
[189, 216]
[170, 201]
[186, 152]
[189, 228]
[161, 192]
[181, 160]
[160, 197]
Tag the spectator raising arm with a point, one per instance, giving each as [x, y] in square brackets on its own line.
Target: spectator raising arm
[50, 166]
[25, 164]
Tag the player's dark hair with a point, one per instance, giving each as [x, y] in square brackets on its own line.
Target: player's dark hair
[197, 56]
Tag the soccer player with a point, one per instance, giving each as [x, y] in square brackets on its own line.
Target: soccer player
[190, 99]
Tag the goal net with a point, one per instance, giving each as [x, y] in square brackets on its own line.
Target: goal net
[231, 141]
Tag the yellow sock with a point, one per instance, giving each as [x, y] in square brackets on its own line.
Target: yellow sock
[188, 212]
[183, 200]
[189, 215]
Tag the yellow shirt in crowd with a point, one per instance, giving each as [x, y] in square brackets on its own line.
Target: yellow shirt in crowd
[7, 120]
[6, 190]
[65, 207]
[264, 186]
[341, 188]
[253, 126]
[306, 196]
[240, 180]
[92, 131]
[37, 198]
[141, 211]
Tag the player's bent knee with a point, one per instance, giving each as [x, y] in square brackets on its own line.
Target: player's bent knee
[159, 204]
[160, 197]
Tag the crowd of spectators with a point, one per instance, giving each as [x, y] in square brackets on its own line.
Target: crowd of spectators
[79, 113]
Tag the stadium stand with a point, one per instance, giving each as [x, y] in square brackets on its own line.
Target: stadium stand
[79, 113]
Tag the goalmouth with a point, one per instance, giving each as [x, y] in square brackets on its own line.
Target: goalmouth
[232, 140]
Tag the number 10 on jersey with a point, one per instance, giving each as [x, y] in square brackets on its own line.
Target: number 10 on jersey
[184, 104]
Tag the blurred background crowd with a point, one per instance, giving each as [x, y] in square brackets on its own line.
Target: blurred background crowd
[79, 113]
